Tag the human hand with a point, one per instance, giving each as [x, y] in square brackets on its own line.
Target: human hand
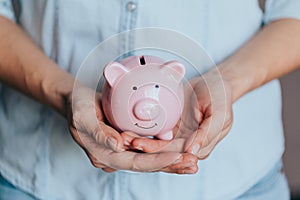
[104, 145]
[209, 112]
[206, 119]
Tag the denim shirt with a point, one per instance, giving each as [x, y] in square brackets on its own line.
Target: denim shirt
[37, 153]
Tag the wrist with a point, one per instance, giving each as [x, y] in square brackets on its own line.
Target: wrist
[57, 87]
[242, 77]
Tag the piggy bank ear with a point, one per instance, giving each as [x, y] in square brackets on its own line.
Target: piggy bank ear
[113, 72]
[175, 69]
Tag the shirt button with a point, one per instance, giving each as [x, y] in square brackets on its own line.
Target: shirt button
[131, 6]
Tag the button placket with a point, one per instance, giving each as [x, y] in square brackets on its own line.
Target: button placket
[127, 22]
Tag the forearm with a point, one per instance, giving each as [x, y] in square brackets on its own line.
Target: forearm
[270, 54]
[25, 67]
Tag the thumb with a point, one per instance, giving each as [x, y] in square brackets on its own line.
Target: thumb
[109, 137]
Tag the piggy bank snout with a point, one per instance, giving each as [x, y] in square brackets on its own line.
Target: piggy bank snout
[146, 109]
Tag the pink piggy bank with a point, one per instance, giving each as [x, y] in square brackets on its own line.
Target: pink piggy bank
[144, 95]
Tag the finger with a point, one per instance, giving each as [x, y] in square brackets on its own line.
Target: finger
[205, 139]
[205, 151]
[186, 165]
[87, 116]
[133, 161]
[109, 170]
[190, 170]
[191, 115]
[128, 137]
[78, 139]
[128, 160]
[94, 161]
[109, 137]
[207, 131]
[149, 145]
[198, 139]
[112, 138]
[186, 170]
[144, 162]
[153, 145]
[187, 160]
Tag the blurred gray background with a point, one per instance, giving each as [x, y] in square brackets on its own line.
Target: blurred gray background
[291, 117]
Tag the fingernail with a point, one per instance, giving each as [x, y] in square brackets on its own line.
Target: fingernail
[197, 114]
[112, 143]
[195, 149]
[126, 142]
[139, 148]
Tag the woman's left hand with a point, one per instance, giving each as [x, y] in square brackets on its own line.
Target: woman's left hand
[205, 121]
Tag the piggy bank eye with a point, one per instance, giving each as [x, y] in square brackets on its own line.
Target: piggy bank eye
[156, 86]
[134, 88]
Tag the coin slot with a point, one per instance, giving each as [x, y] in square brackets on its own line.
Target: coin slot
[142, 60]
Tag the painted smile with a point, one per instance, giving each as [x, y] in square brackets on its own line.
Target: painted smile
[145, 127]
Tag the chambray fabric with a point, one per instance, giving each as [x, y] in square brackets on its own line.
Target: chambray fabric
[37, 153]
[272, 186]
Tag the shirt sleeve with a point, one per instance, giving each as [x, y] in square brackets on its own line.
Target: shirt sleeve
[6, 9]
[278, 9]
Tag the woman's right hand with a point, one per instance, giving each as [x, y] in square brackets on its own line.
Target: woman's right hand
[104, 145]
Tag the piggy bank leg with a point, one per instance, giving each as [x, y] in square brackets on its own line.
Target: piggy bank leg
[165, 136]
